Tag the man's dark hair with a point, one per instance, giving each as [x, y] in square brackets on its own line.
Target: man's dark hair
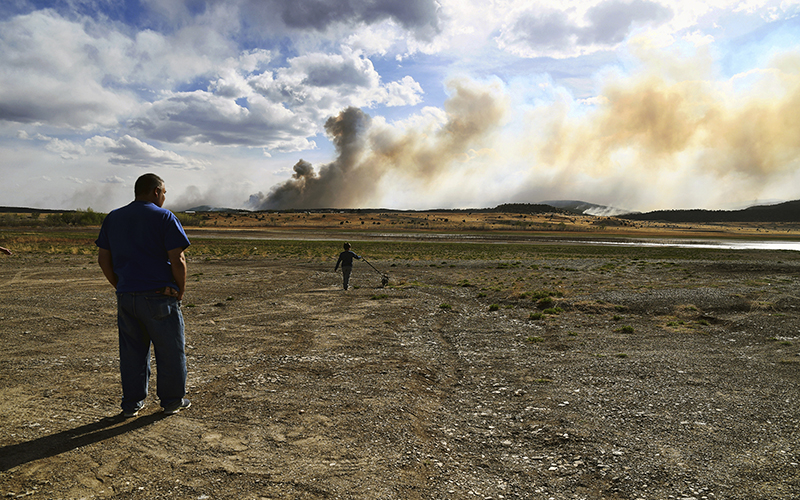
[347, 246]
[146, 184]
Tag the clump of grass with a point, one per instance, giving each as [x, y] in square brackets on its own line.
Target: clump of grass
[616, 317]
[544, 302]
[625, 329]
[536, 316]
[540, 294]
[534, 339]
[621, 355]
[553, 310]
[481, 295]
[445, 306]
[494, 307]
[379, 296]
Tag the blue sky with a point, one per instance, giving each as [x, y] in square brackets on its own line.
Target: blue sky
[413, 104]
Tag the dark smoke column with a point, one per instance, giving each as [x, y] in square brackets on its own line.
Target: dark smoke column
[337, 185]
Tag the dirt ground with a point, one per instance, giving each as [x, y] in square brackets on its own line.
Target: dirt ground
[643, 379]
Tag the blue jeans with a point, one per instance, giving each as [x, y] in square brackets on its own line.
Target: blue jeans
[144, 318]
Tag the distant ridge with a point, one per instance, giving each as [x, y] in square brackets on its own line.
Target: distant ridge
[209, 208]
[788, 211]
[26, 210]
[528, 208]
[782, 212]
[586, 208]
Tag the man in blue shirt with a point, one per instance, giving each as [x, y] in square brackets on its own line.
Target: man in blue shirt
[141, 254]
[346, 260]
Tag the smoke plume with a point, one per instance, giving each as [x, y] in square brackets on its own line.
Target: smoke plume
[370, 151]
[671, 135]
[673, 138]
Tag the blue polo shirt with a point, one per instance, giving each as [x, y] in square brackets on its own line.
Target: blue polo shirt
[139, 235]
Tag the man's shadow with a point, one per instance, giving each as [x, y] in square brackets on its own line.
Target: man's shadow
[55, 444]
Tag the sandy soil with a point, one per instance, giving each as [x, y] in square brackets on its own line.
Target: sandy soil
[646, 379]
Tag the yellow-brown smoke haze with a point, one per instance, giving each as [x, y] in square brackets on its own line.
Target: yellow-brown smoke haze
[671, 136]
[732, 140]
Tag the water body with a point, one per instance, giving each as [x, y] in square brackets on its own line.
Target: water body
[722, 244]
[718, 244]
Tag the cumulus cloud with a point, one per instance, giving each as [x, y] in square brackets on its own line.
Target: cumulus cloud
[277, 110]
[277, 18]
[78, 72]
[202, 117]
[129, 150]
[420, 17]
[113, 180]
[401, 93]
[90, 75]
[66, 149]
[547, 31]
[322, 70]
[51, 74]
[610, 22]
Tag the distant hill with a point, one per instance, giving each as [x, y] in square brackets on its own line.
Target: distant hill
[25, 210]
[208, 208]
[586, 208]
[528, 208]
[782, 212]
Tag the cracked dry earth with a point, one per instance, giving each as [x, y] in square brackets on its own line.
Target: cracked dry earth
[647, 379]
